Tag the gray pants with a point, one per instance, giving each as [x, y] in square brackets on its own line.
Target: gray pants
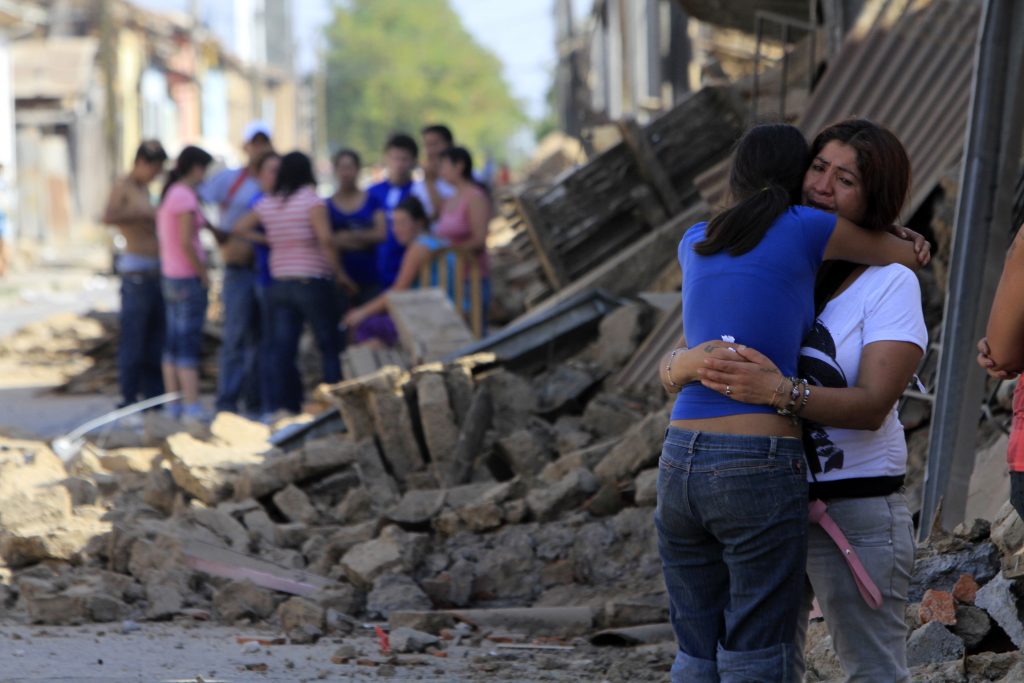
[871, 644]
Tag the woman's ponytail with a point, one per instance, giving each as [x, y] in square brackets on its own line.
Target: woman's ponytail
[765, 179]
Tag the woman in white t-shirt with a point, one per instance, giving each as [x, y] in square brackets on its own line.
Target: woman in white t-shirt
[868, 339]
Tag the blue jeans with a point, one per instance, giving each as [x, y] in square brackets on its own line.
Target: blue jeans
[185, 307]
[238, 374]
[142, 337]
[732, 534]
[294, 302]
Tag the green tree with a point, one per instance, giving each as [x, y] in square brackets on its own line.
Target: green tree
[395, 65]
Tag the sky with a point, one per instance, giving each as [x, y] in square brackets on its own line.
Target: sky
[520, 33]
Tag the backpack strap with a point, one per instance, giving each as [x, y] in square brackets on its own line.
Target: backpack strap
[233, 190]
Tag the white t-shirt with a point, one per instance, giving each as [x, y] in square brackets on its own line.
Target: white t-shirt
[883, 304]
[420, 192]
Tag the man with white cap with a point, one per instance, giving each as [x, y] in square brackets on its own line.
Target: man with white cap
[232, 190]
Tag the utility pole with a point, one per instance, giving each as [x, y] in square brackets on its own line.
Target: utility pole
[983, 215]
[108, 66]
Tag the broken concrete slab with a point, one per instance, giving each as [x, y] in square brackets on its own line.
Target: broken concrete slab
[205, 470]
[294, 504]
[526, 451]
[547, 503]
[380, 486]
[393, 550]
[933, 643]
[646, 487]
[223, 525]
[609, 415]
[392, 422]
[620, 333]
[302, 620]
[418, 506]
[997, 597]
[392, 592]
[243, 599]
[440, 430]
[234, 430]
[639, 449]
[564, 386]
[587, 457]
[477, 421]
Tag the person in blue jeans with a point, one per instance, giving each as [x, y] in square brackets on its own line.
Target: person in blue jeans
[266, 174]
[142, 317]
[359, 225]
[306, 272]
[185, 280]
[732, 487]
[232, 190]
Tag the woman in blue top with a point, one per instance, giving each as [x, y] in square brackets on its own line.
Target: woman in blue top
[358, 222]
[732, 488]
[370, 320]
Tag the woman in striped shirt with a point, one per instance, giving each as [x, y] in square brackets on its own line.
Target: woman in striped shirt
[306, 271]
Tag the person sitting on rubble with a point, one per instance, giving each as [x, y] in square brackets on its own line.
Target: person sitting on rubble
[1001, 354]
[732, 514]
[185, 280]
[411, 227]
[306, 273]
[867, 340]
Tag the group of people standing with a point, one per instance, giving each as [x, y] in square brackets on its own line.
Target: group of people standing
[289, 257]
[781, 476]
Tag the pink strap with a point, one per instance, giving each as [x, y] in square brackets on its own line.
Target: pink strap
[818, 513]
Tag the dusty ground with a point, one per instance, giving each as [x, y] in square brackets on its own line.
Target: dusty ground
[184, 651]
[31, 295]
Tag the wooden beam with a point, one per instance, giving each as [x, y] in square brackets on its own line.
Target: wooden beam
[540, 236]
[650, 167]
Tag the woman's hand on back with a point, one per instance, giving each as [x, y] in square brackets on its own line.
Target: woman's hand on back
[922, 247]
[742, 373]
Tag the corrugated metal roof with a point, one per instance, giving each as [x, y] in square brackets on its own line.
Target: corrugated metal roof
[908, 65]
[52, 68]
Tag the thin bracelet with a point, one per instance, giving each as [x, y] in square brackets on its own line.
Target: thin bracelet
[668, 366]
[777, 394]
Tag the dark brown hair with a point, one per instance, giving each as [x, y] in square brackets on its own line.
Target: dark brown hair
[765, 179]
[884, 169]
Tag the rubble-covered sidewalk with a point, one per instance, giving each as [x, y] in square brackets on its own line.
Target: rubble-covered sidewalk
[492, 520]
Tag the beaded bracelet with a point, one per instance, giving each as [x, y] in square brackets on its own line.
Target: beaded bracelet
[806, 395]
[794, 396]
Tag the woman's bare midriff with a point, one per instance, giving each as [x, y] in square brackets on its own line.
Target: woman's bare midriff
[751, 424]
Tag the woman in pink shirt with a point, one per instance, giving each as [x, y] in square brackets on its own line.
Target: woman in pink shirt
[185, 281]
[465, 215]
[306, 270]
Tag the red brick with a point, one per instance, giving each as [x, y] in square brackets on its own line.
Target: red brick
[965, 589]
[938, 606]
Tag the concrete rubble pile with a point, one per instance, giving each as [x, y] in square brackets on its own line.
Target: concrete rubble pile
[83, 349]
[462, 501]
